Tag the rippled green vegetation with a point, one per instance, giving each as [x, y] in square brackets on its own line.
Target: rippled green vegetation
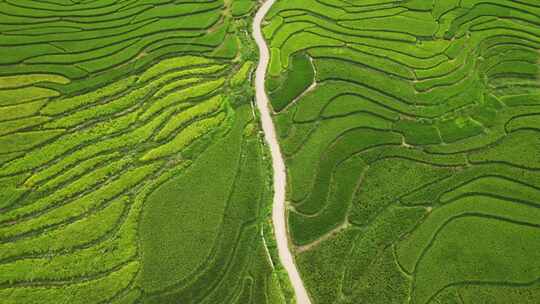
[131, 165]
[411, 134]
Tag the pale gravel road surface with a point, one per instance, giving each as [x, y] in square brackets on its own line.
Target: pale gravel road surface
[278, 164]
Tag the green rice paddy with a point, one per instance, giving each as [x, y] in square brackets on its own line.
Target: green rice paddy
[133, 168]
[412, 143]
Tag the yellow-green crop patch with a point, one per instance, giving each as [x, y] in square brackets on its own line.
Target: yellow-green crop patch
[131, 169]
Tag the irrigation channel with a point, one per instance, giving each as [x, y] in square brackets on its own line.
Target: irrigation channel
[278, 164]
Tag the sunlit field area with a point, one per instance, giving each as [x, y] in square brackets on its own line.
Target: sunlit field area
[131, 165]
[141, 164]
[411, 132]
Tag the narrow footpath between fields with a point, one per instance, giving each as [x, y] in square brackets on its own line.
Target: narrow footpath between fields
[278, 164]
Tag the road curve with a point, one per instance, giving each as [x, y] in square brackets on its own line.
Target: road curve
[278, 164]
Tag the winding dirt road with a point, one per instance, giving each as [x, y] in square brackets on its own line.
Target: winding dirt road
[278, 164]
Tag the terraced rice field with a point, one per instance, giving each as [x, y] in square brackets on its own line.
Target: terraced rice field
[411, 136]
[132, 169]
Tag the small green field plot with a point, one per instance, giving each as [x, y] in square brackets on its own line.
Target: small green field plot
[132, 169]
[411, 135]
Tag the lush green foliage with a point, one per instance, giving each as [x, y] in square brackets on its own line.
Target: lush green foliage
[413, 161]
[294, 82]
[131, 167]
